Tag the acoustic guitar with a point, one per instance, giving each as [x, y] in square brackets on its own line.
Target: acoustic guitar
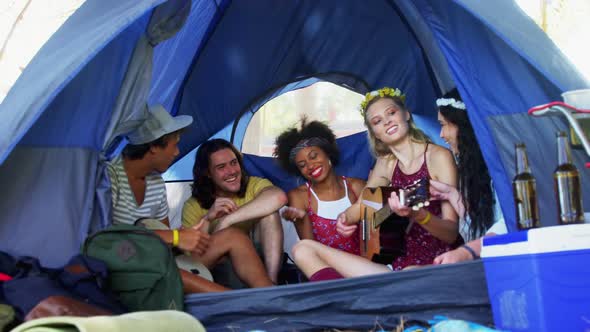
[382, 232]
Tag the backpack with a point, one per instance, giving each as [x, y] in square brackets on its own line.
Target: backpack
[143, 272]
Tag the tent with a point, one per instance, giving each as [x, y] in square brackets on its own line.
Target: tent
[218, 59]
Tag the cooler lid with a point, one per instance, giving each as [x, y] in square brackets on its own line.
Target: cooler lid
[539, 240]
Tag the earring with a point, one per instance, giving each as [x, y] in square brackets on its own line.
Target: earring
[330, 162]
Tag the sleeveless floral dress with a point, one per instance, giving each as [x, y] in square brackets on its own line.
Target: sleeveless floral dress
[324, 230]
[421, 247]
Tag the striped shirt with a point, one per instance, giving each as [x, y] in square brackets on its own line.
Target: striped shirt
[125, 208]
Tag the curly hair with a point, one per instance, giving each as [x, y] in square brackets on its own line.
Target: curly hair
[203, 188]
[474, 178]
[380, 149]
[287, 140]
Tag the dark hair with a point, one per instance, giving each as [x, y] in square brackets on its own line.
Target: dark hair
[474, 178]
[203, 186]
[286, 141]
[380, 149]
[135, 152]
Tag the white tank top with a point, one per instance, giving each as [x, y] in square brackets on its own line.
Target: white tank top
[331, 209]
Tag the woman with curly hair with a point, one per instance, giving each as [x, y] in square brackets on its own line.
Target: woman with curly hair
[404, 154]
[312, 153]
[474, 199]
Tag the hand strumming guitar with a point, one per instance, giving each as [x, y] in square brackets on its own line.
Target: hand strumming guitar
[342, 227]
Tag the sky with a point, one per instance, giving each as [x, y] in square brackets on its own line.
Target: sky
[567, 23]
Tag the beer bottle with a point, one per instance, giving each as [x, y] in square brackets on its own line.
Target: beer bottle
[567, 185]
[525, 191]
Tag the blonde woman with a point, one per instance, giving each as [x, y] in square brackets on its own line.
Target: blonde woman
[404, 154]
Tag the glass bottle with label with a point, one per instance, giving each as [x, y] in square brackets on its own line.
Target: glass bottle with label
[568, 190]
[525, 191]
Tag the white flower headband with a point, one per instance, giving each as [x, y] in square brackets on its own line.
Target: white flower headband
[450, 102]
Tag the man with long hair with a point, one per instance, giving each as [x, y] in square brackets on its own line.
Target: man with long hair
[225, 195]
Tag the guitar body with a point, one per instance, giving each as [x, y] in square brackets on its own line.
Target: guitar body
[369, 232]
[382, 232]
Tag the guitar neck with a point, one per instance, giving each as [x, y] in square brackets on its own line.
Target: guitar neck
[381, 215]
[416, 195]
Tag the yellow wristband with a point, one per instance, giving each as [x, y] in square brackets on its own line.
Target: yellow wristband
[175, 237]
[426, 219]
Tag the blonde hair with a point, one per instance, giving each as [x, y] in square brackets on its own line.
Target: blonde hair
[380, 149]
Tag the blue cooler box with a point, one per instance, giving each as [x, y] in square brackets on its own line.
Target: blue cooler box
[539, 280]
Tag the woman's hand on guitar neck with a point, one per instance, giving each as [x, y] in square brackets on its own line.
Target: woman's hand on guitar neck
[342, 227]
[396, 207]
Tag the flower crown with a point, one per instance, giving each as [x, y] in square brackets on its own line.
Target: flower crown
[383, 92]
[450, 102]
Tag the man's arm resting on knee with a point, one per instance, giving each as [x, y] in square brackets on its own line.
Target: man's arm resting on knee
[165, 234]
[268, 200]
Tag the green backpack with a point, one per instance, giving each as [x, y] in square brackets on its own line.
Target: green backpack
[142, 269]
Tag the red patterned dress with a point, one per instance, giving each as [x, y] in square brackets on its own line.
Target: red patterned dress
[421, 247]
[324, 229]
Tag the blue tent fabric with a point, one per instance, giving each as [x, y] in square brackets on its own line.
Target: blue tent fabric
[507, 74]
[164, 23]
[79, 40]
[230, 56]
[173, 57]
[245, 63]
[355, 161]
[365, 303]
[49, 226]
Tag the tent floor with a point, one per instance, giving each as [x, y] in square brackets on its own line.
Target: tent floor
[457, 291]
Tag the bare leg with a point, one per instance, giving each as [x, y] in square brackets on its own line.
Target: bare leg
[195, 284]
[311, 256]
[271, 237]
[240, 250]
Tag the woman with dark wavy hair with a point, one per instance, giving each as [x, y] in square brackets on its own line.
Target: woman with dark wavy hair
[474, 198]
[312, 153]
